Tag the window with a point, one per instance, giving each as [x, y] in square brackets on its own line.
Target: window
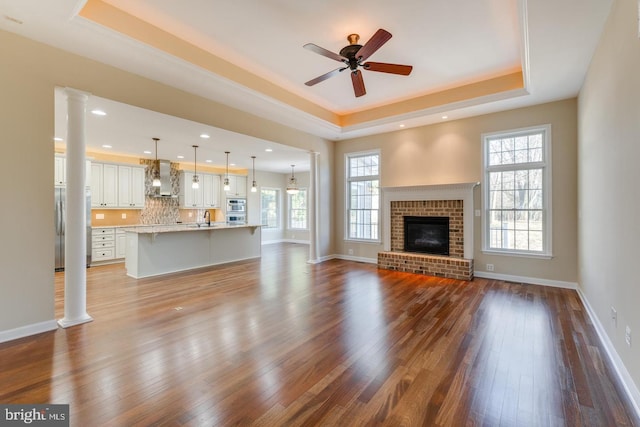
[363, 196]
[270, 207]
[298, 210]
[517, 192]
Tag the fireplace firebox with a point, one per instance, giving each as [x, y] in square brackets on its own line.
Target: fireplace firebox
[426, 234]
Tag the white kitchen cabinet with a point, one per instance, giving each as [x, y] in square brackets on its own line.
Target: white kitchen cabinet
[104, 185]
[211, 190]
[60, 171]
[121, 243]
[131, 187]
[102, 244]
[190, 197]
[238, 186]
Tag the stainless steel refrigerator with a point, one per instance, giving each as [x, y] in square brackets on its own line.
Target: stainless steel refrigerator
[60, 218]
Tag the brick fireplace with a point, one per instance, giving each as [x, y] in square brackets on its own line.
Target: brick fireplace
[454, 201]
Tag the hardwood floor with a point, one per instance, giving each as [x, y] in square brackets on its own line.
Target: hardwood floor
[276, 341]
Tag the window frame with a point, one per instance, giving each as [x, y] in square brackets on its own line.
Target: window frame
[547, 185]
[278, 208]
[306, 210]
[347, 186]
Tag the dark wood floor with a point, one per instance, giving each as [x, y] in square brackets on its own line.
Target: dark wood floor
[277, 342]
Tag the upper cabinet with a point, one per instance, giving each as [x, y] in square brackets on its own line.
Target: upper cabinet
[237, 186]
[206, 196]
[117, 186]
[190, 197]
[130, 187]
[104, 185]
[60, 171]
[211, 190]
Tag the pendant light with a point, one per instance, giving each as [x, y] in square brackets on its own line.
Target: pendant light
[292, 187]
[196, 181]
[156, 169]
[227, 187]
[254, 187]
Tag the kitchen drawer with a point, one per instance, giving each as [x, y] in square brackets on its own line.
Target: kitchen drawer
[102, 254]
[104, 244]
[103, 238]
[99, 231]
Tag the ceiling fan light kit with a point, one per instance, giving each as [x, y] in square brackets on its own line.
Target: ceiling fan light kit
[354, 55]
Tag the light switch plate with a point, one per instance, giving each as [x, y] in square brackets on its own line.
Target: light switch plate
[99, 216]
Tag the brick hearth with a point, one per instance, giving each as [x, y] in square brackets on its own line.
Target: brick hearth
[454, 266]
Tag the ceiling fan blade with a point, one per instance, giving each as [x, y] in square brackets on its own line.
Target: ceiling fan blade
[324, 52]
[358, 83]
[379, 38]
[382, 67]
[325, 76]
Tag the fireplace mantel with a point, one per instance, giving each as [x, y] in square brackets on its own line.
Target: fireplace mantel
[461, 191]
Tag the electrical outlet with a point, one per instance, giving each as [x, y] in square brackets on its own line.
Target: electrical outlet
[190, 214]
[350, 251]
[614, 316]
[99, 216]
[477, 212]
[489, 267]
[627, 335]
[124, 216]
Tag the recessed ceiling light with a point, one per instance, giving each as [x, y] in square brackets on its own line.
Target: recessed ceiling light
[181, 157]
[402, 125]
[147, 152]
[98, 112]
[268, 150]
[232, 164]
[106, 146]
[205, 136]
[57, 139]
[208, 161]
[445, 117]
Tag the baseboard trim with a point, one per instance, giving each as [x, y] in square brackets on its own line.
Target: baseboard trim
[528, 280]
[356, 258]
[271, 242]
[28, 330]
[627, 382]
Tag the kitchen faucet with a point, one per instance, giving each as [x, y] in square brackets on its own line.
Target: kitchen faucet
[207, 217]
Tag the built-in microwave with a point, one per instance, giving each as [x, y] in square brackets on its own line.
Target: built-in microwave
[236, 205]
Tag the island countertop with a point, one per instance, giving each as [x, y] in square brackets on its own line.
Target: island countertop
[170, 228]
[161, 249]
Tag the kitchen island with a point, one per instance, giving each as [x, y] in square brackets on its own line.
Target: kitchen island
[161, 249]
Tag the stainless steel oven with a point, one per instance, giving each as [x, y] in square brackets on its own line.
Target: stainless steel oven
[236, 211]
[236, 219]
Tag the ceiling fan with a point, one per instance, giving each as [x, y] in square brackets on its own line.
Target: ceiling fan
[354, 55]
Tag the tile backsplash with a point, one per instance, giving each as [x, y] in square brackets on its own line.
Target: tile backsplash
[157, 210]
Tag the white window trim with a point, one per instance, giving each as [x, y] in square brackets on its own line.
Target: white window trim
[547, 252]
[289, 211]
[346, 195]
[278, 210]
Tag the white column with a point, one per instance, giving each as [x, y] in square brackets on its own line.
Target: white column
[313, 208]
[75, 242]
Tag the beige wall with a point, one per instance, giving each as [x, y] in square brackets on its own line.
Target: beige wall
[26, 216]
[29, 72]
[608, 153]
[450, 152]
